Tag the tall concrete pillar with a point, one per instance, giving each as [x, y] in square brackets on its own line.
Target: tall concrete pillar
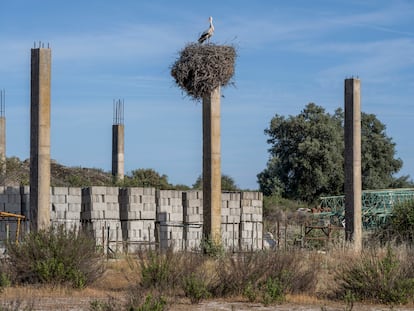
[212, 167]
[118, 141]
[353, 182]
[2, 132]
[40, 138]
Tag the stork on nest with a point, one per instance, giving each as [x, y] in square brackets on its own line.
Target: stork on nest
[206, 35]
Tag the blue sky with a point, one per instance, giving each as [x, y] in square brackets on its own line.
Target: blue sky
[290, 53]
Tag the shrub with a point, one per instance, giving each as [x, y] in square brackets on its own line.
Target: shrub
[148, 302]
[5, 280]
[379, 278]
[273, 291]
[100, 305]
[401, 225]
[161, 271]
[266, 273]
[195, 288]
[55, 256]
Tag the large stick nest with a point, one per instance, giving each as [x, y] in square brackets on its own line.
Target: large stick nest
[202, 68]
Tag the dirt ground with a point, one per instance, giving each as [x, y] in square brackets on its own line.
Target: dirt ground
[111, 287]
[40, 299]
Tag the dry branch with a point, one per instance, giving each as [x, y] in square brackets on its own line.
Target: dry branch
[202, 68]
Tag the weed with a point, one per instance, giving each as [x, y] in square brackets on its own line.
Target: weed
[195, 288]
[99, 305]
[272, 291]
[378, 278]
[151, 303]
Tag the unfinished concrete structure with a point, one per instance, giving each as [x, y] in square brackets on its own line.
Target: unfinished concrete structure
[118, 141]
[2, 131]
[40, 137]
[129, 219]
[353, 182]
[212, 167]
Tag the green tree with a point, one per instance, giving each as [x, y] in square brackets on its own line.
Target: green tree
[227, 183]
[147, 178]
[306, 152]
[307, 155]
[377, 152]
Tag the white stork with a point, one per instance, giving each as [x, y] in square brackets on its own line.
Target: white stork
[206, 35]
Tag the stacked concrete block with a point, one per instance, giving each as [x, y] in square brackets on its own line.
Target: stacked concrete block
[100, 216]
[170, 219]
[25, 208]
[137, 214]
[230, 219]
[193, 219]
[251, 225]
[10, 201]
[65, 207]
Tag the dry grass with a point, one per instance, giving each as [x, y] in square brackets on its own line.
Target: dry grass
[124, 274]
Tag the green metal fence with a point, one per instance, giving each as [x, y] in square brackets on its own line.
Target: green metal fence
[376, 205]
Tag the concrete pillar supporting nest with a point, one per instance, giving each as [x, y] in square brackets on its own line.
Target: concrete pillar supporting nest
[353, 182]
[40, 138]
[212, 167]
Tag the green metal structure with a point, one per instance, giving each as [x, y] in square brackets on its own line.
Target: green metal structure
[376, 206]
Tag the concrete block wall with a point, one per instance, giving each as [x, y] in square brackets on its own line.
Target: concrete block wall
[132, 218]
[66, 206]
[170, 219]
[193, 219]
[230, 219]
[251, 221]
[100, 215]
[137, 215]
[10, 201]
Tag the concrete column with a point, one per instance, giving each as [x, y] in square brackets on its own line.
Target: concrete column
[212, 167]
[2, 132]
[118, 151]
[353, 183]
[40, 138]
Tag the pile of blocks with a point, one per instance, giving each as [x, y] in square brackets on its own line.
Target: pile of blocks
[137, 214]
[100, 216]
[193, 219]
[230, 220]
[170, 219]
[10, 202]
[66, 204]
[251, 224]
[128, 219]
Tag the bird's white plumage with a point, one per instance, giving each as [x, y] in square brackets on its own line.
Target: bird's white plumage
[206, 35]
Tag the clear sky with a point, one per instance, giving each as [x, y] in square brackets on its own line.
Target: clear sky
[290, 53]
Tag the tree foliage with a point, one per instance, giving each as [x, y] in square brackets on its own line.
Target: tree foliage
[227, 183]
[147, 178]
[307, 155]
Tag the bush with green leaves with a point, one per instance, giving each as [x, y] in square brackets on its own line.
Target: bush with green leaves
[401, 224]
[273, 291]
[195, 287]
[270, 275]
[379, 278]
[55, 256]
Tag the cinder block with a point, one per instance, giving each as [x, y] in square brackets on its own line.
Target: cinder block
[60, 190]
